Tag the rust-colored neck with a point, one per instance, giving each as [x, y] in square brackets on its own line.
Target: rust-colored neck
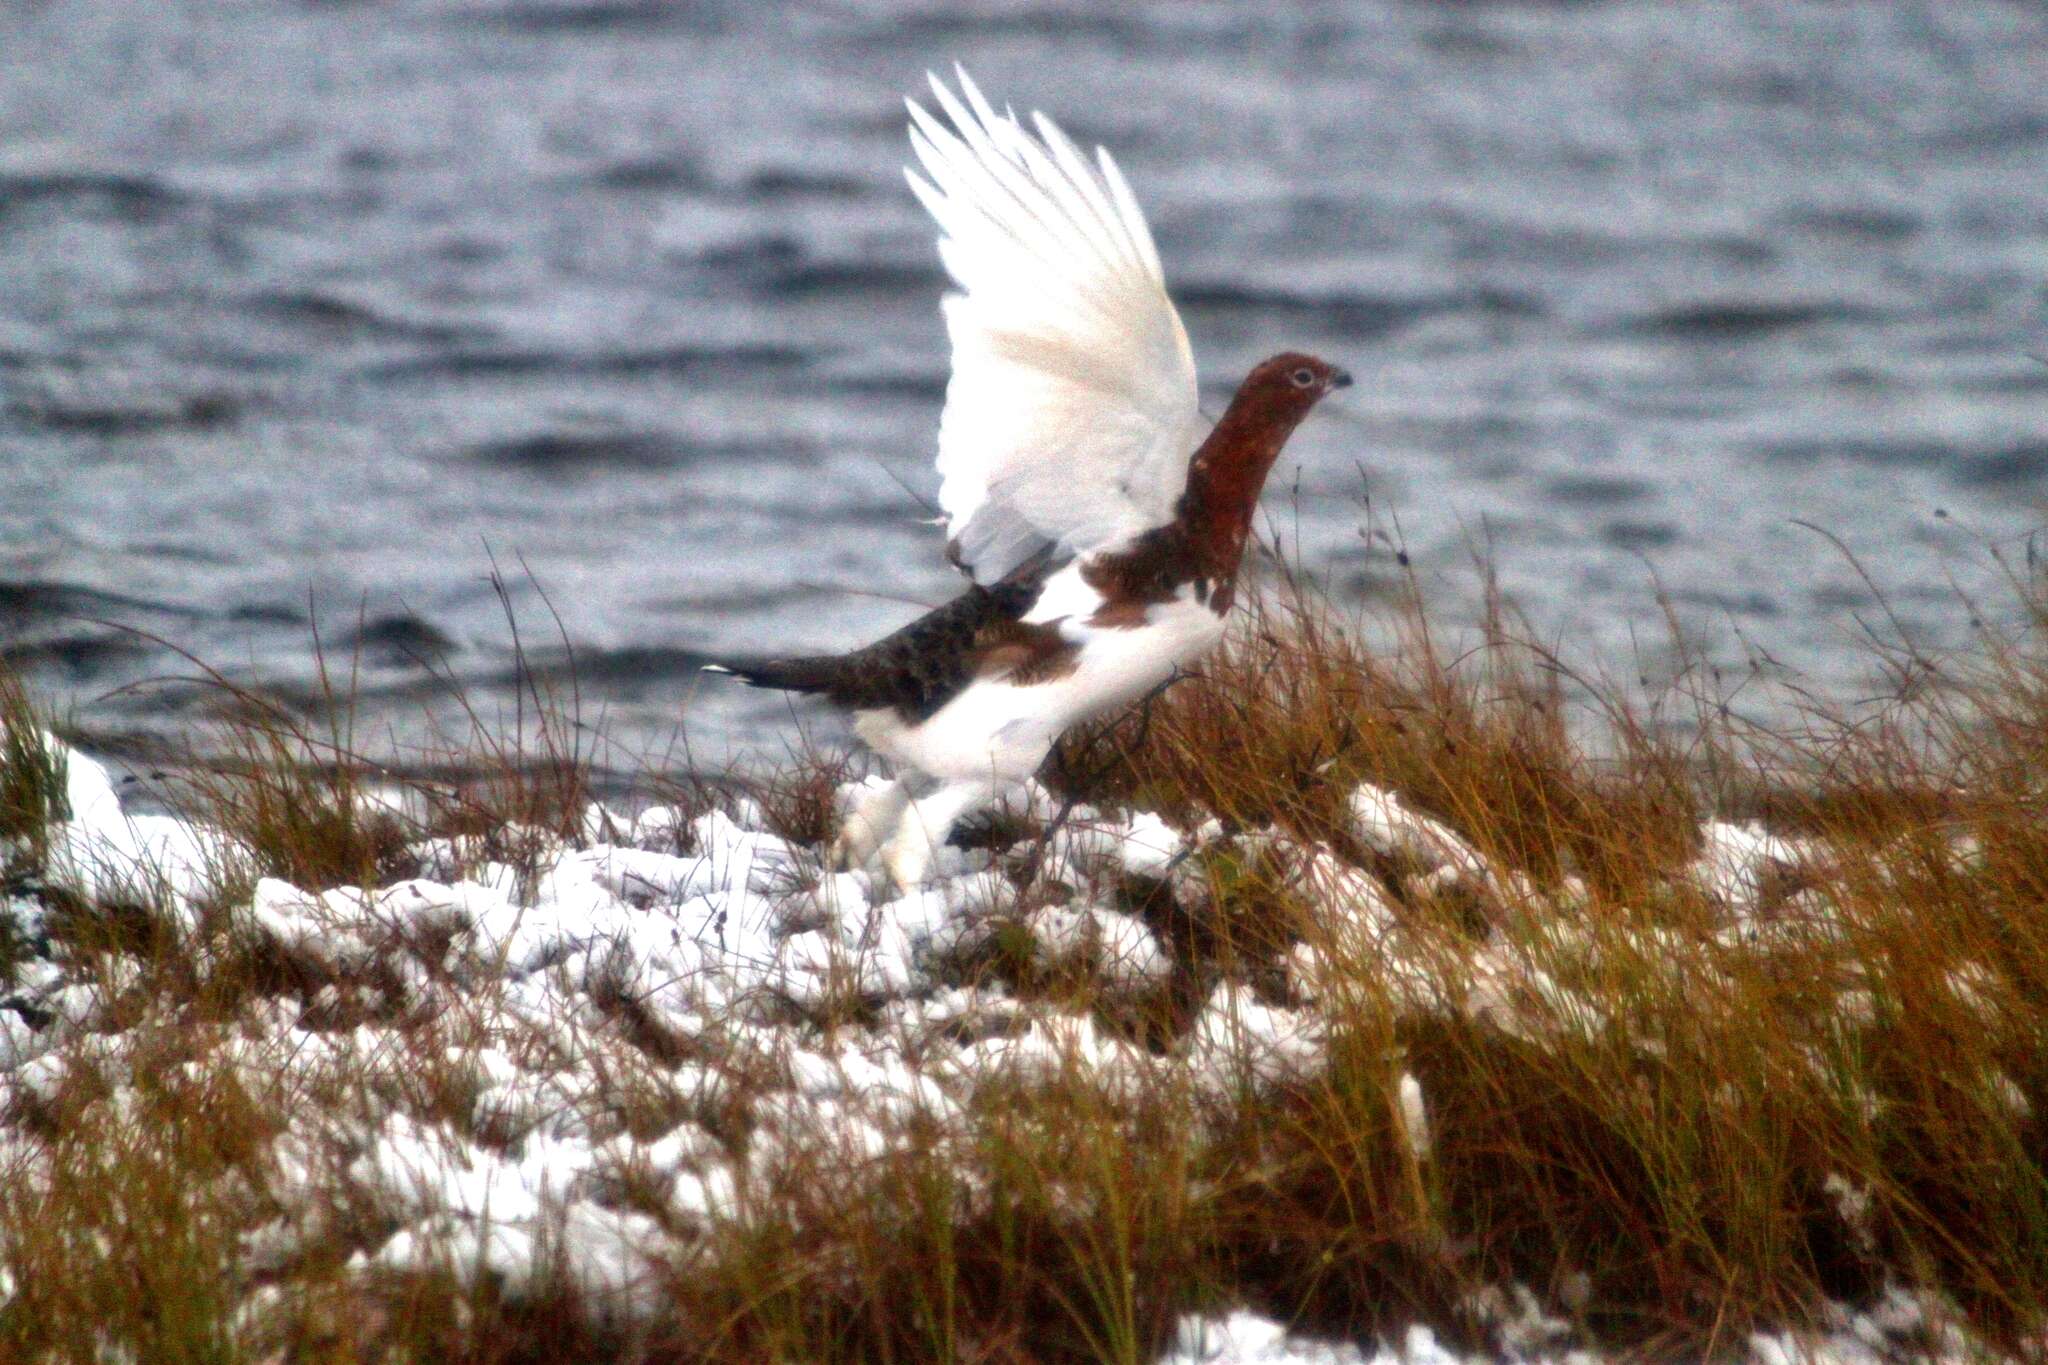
[1228, 473]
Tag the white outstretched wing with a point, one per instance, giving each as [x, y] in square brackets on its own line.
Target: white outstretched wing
[1071, 413]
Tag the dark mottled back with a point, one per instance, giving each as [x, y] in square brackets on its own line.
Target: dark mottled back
[918, 669]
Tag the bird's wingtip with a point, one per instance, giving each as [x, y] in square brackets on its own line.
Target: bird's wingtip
[967, 85]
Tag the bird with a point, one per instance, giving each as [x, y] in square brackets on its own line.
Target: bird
[1099, 519]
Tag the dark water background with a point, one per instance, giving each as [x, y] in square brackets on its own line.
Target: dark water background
[317, 305]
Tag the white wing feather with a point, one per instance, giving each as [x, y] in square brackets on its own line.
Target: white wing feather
[1071, 413]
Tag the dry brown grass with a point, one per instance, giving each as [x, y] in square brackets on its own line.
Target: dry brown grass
[32, 779]
[1674, 1119]
[1685, 1156]
[1282, 726]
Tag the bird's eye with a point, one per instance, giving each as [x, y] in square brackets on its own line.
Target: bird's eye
[1303, 378]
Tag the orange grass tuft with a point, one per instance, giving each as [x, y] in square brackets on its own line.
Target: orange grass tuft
[1671, 1119]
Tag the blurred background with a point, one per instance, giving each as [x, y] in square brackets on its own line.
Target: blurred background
[311, 310]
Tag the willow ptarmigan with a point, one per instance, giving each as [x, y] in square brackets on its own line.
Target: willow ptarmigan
[1101, 526]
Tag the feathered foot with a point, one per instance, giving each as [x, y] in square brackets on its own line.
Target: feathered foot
[876, 812]
[925, 822]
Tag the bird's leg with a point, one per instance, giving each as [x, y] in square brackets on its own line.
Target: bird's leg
[876, 811]
[1075, 789]
[924, 826]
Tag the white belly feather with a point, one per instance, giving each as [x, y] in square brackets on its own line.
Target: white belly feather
[1001, 730]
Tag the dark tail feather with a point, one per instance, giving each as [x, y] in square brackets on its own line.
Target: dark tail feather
[819, 674]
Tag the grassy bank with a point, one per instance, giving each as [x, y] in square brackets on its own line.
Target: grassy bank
[1359, 988]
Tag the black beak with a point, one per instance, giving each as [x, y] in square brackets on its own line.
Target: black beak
[1341, 379]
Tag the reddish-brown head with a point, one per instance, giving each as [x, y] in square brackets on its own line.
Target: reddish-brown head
[1264, 412]
[1287, 385]
[1231, 467]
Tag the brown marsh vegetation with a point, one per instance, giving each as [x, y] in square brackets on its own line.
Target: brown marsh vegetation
[1668, 1025]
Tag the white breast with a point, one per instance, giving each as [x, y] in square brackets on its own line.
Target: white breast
[1001, 730]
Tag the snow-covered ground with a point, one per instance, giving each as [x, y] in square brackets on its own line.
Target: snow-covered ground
[675, 967]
